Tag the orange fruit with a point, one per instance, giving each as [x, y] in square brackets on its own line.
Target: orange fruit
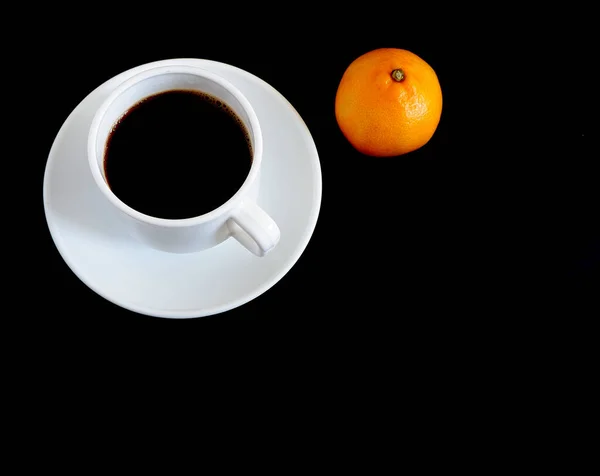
[388, 102]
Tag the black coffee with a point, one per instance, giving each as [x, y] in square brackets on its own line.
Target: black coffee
[177, 154]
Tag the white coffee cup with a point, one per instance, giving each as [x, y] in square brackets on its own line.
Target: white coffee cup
[239, 217]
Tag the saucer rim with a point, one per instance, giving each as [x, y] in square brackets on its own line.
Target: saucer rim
[286, 265]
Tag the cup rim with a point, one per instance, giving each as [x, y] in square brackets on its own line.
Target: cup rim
[257, 149]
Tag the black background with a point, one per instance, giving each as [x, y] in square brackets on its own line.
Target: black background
[487, 230]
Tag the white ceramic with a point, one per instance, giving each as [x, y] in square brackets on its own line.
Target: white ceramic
[239, 217]
[89, 235]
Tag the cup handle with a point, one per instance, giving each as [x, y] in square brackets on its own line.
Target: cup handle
[253, 228]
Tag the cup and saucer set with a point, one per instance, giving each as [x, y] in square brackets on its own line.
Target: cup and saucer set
[189, 267]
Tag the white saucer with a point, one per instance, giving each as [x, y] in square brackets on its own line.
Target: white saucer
[87, 234]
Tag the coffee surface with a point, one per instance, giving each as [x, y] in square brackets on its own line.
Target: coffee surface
[177, 154]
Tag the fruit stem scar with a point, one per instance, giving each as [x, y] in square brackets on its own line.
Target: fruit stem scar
[398, 75]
